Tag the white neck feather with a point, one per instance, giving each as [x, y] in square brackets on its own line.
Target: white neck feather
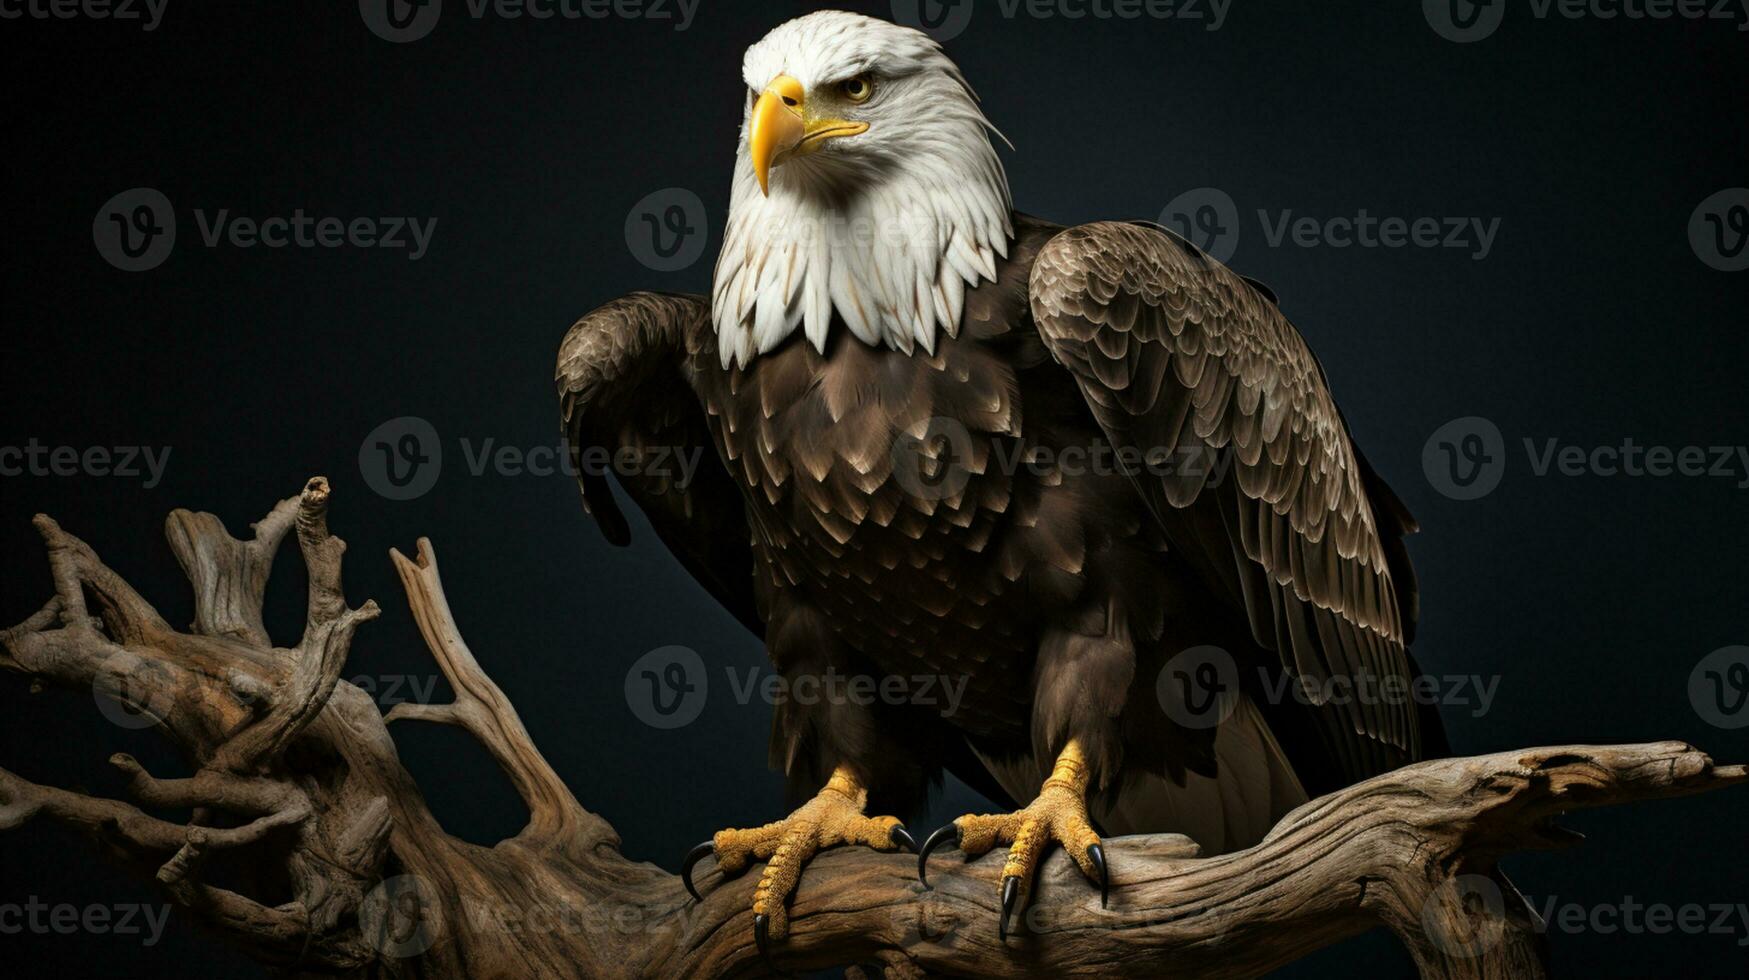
[887, 241]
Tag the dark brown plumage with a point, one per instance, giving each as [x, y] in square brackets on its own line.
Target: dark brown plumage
[1057, 596]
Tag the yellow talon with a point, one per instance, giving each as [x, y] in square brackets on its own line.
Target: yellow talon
[834, 816]
[1058, 813]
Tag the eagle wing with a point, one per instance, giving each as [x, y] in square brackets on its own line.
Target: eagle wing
[625, 393]
[1173, 351]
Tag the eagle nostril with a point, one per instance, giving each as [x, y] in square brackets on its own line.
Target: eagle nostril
[792, 103]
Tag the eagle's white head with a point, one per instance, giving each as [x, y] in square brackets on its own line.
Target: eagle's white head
[865, 183]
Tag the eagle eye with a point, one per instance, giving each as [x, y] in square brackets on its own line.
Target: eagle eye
[857, 88]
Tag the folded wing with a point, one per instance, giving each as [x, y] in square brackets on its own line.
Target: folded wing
[626, 405]
[1187, 362]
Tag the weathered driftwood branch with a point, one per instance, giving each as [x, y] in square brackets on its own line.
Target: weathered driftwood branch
[302, 766]
[556, 819]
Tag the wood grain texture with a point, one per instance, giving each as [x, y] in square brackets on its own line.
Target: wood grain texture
[303, 770]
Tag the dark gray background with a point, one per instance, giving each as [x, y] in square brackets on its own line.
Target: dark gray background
[1590, 598]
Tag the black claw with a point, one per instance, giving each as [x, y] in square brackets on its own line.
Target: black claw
[902, 837]
[931, 843]
[694, 856]
[1010, 897]
[1096, 854]
[762, 937]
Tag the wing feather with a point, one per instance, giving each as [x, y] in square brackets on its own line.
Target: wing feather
[1174, 351]
[624, 386]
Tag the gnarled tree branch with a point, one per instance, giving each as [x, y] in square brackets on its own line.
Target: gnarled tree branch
[480, 707]
[303, 765]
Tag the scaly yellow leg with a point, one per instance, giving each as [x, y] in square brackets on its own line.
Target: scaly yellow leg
[1059, 813]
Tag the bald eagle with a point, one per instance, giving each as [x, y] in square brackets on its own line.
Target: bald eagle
[893, 374]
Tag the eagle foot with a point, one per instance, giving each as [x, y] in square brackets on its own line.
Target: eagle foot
[1058, 813]
[834, 816]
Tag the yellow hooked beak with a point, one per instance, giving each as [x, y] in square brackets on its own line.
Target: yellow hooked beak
[781, 127]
